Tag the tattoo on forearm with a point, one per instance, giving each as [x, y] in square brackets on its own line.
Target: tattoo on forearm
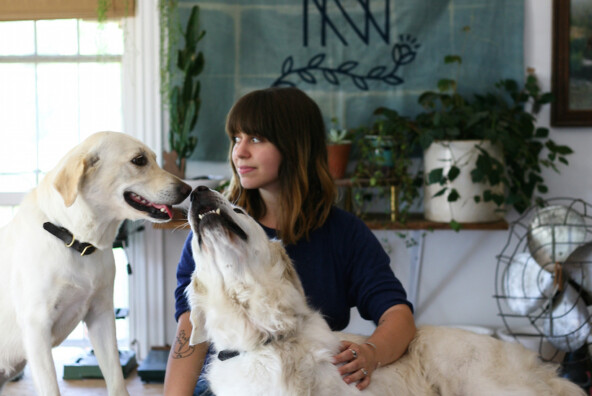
[182, 349]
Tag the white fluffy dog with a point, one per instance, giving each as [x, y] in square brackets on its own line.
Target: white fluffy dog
[247, 299]
[56, 256]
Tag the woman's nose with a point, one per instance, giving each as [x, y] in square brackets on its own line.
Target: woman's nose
[240, 149]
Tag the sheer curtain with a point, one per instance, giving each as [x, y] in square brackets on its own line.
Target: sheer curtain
[142, 119]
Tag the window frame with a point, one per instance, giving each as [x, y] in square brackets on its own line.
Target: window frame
[13, 198]
[141, 103]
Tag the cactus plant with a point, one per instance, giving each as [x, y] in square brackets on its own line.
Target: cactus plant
[184, 101]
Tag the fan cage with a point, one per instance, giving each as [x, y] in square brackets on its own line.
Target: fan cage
[534, 320]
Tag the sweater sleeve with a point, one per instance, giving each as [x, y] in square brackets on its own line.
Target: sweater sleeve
[374, 288]
[184, 271]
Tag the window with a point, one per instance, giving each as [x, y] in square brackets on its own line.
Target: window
[61, 81]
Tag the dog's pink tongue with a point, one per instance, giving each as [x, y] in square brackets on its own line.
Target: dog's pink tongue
[165, 207]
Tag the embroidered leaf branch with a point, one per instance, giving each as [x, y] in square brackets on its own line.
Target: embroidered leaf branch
[402, 54]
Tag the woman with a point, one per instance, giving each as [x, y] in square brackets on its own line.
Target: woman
[280, 176]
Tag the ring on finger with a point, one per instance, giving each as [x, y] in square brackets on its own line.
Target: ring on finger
[364, 371]
[354, 353]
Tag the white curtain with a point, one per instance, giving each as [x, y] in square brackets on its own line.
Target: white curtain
[142, 119]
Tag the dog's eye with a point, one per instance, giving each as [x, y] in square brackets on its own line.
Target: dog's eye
[239, 211]
[140, 160]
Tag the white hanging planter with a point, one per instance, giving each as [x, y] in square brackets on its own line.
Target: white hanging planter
[463, 154]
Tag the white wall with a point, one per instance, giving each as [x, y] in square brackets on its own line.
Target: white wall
[458, 272]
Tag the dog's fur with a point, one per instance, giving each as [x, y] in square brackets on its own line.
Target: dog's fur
[46, 288]
[246, 296]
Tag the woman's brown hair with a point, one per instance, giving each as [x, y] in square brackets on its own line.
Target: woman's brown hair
[291, 121]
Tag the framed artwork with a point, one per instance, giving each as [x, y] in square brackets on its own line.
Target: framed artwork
[572, 63]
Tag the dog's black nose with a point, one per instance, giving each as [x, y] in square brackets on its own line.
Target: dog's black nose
[196, 192]
[184, 189]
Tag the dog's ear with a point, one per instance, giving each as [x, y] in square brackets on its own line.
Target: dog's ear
[198, 333]
[70, 177]
[196, 316]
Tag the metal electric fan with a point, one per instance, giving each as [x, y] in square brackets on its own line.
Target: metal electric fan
[544, 284]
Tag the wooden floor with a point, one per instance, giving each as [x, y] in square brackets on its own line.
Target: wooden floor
[85, 387]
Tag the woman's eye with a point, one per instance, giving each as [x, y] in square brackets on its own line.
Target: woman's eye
[140, 160]
[256, 140]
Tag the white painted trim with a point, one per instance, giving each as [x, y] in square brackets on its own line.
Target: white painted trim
[142, 119]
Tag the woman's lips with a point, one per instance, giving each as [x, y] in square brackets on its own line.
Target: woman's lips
[245, 169]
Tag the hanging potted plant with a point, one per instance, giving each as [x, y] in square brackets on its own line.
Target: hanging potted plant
[385, 166]
[183, 99]
[490, 142]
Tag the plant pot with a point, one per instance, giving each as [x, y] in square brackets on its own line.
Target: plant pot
[170, 164]
[462, 153]
[338, 158]
[382, 147]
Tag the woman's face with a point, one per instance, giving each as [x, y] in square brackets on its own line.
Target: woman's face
[257, 162]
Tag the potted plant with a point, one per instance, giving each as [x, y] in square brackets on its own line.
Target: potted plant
[504, 120]
[385, 165]
[183, 99]
[338, 150]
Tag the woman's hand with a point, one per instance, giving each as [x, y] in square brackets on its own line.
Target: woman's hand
[359, 362]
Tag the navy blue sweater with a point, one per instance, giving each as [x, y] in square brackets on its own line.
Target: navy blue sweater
[341, 265]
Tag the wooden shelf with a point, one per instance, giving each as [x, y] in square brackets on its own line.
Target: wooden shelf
[376, 221]
[384, 221]
[381, 221]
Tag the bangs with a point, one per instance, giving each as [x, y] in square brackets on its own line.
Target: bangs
[251, 115]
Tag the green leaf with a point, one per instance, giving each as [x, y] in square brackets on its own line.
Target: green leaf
[541, 133]
[498, 199]
[428, 99]
[446, 84]
[453, 196]
[453, 173]
[436, 176]
[452, 59]
[455, 225]
[542, 189]
[563, 150]
[547, 98]
[439, 193]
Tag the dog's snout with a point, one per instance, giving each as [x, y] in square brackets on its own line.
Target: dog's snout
[184, 190]
[196, 192]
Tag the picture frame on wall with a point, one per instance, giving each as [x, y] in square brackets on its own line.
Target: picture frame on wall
[572, 63]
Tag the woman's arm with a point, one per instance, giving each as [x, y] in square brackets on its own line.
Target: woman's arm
[395, 330]
[185, 361]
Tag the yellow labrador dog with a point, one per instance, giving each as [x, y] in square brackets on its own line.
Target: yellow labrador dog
[247, 299]
[56, 261]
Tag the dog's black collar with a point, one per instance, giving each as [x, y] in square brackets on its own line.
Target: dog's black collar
[84, 248]
[227, 354]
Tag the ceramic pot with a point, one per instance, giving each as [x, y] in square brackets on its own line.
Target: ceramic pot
[170, 164]
[382, 148]
[338, 158]
[462, 153]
